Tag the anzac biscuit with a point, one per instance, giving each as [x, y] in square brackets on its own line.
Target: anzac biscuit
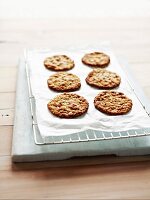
[96, 59]
[68, 105]
[113, 103]
[103, 79]
[59, 63]
[63, 81]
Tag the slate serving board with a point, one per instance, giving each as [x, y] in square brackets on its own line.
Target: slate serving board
[25, 150]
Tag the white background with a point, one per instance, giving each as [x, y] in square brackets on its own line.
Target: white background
[73, 8]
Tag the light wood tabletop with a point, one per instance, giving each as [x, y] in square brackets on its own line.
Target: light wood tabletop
[130, 38]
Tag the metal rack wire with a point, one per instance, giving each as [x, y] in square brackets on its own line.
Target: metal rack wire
[84, 136]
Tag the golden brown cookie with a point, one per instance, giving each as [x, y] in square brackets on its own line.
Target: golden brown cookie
[103, 79]
[113, 103]
[96, 59]
[63, 81]
[68, 105]
[59, 63]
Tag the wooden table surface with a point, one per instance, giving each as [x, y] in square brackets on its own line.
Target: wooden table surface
[130, 38]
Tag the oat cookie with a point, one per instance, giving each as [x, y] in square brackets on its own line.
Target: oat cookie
[96, 59]
[68, 105]
[103, 79]
[63, 81]
[113, 103]
[59, 63]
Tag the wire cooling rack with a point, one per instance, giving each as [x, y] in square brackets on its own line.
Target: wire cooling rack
[84, 136]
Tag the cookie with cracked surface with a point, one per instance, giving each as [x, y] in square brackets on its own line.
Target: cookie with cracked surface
[58, 63]
[113, 103]
[96, 59]
[103, 79]
[68, 105]
[63, 82]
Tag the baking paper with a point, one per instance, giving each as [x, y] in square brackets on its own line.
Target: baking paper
[49, 125]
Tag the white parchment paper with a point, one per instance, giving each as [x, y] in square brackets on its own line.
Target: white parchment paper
[49, 125]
